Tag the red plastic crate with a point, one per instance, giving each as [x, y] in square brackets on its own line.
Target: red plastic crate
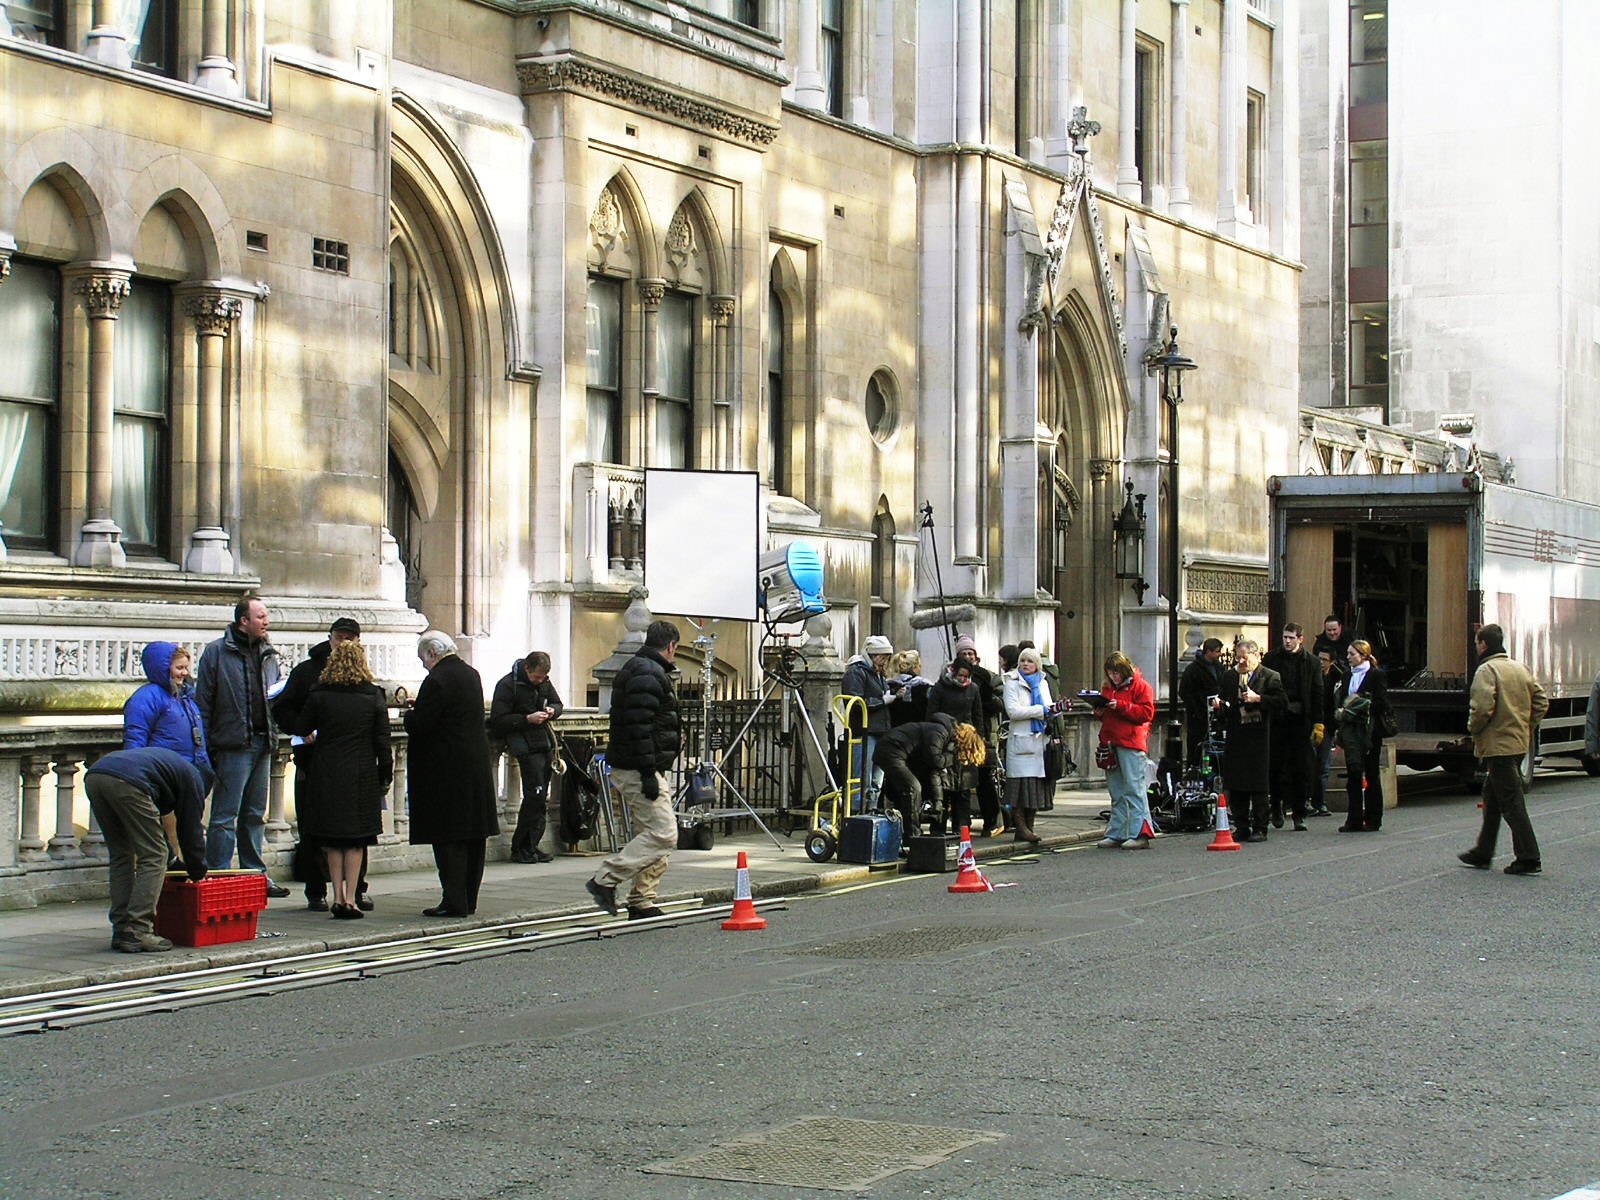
[220, 908]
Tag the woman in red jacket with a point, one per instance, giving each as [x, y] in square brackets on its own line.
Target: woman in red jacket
[1126, 706]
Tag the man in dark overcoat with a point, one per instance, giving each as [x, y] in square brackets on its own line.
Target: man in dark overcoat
[1201, 680]
[449, 777]
[524, 705]
[1251, 697]
[1292, 748]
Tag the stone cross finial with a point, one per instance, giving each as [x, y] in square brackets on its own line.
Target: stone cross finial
[1080, 129]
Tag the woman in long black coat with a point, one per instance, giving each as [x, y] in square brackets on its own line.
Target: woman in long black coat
[1251, 696]
[342, 802]
[449, 776]
[1362, 699]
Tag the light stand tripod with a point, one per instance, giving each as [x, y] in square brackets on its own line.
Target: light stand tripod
[779, 678]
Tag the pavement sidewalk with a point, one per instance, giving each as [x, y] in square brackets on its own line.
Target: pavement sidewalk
[68, 945]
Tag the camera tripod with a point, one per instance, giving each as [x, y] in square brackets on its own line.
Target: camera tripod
[779, 679]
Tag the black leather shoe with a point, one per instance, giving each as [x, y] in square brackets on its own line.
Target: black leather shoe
[1350, 829]
[644, 912]
[1256, 837]
[539, 856]
[441, 911]
[605, 897]
[347, 912]
[1299, 826]
[364, 902]
[317, 903]
[1473, 859]
[524, 856]
[1525, 866]
[276, 890]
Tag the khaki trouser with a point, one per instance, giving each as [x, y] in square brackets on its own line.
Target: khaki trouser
[644, 859]
[132, 827]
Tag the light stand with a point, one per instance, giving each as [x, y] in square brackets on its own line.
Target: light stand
[779, 678]
[1172, 364]
[926, 512]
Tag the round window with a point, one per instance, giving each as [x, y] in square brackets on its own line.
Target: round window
[883, 417]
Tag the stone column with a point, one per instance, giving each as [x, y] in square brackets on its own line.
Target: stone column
[64, 843]
[1058, 85]
[100, 539]
[1127, 105]
[1178, 204]
[1231, 214]
[642, 422]
[277, 832]
[967, 541]
[213, 316]
[215, 71]
[808, 89]
[106, 42]
[722, 309]
[30, 843]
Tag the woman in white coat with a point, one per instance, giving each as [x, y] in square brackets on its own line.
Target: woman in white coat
[1029, 706]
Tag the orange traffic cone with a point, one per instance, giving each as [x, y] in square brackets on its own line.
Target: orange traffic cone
[1224, 839]
[744, 909]
[969, 878]
[1148, 829]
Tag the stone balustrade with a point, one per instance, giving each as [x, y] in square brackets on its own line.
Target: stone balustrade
[608, 525]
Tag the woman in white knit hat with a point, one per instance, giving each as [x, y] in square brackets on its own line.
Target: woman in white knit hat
[864, 677]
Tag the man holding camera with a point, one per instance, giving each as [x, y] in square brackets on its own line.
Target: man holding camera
[525, 703]
[644, 743]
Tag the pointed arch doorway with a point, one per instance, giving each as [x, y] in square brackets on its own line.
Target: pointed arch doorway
[1083, 409]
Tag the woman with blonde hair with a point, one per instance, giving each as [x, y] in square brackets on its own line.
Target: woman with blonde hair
[346, 718]
[1029, 707]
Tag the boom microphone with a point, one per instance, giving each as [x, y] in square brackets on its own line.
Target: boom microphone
[942, 615]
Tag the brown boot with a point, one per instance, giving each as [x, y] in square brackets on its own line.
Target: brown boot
[1023, 817]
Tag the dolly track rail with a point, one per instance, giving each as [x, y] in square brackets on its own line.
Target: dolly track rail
[67, 1007]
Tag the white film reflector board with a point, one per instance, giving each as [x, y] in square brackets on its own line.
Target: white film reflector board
[702, 542]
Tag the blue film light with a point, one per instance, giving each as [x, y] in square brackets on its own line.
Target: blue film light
[790, 582]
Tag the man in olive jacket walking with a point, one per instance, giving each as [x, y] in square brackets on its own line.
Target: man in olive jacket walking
[644, 743]
[1507, 705]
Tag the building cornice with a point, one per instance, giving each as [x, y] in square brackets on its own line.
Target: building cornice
[537, 76]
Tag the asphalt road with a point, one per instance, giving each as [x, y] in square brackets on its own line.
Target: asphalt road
[1325, 1015]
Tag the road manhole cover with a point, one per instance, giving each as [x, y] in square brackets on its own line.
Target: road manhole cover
[912, 943]
[828, 1153]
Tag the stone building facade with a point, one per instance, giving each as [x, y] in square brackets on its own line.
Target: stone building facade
[1452, 279]
[385, 307]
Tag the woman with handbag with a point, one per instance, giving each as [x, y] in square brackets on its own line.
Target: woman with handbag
[1364, 719]
[1029, 707]
[1126, 705]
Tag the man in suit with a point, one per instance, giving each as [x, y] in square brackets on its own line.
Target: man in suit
[1252, 698]
[1292, 732]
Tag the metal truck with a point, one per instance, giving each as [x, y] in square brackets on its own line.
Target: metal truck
[1415, 564]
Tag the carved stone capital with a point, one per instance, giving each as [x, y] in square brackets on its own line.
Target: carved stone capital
[103, 293]
[212, 312]
[722, 309]
[651, 293]
[1100, 469]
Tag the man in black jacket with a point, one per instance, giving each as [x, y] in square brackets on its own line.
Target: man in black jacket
[310, 863]
[645, 742]
[988, 684]
[1293, 733]
[130, 792]
[1201, 680]
[524, 704]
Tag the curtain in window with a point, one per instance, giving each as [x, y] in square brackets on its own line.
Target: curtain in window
[602, 320]
[139, 386]
[777, 447]
[675, 363]
[28, 348]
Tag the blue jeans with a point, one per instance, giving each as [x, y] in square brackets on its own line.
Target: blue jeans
[1130, 801]
[239, 806]
[870, 778]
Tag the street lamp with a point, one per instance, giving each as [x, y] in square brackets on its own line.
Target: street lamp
[1171, 365]
[1127, 529]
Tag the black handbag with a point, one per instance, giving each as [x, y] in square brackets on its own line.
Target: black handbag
[1055, 760]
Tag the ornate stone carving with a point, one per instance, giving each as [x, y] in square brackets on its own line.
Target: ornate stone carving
[651, 293]
[1100, 469]
[1080, 129]
[605, 225]
[102, 295]
[1232, 591]
[680, 240]
[567, 74]
[212, 313]
[722, 309]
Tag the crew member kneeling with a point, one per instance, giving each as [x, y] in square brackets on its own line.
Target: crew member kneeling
[133, 793]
